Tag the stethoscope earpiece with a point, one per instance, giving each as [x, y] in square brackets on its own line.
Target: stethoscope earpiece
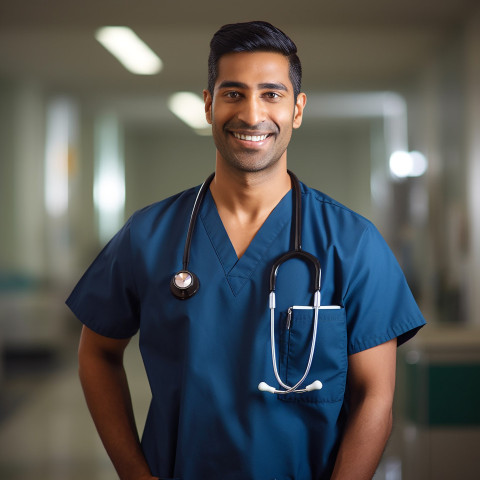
[316, 385]
[184, 284]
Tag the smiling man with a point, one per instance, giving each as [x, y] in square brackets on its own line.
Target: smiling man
[295, 385]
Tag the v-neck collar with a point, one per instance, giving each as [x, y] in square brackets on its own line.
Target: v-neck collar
[239, 270]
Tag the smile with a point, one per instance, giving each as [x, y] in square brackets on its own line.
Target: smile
[250, 138]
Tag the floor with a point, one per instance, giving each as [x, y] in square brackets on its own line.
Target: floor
[45, 429]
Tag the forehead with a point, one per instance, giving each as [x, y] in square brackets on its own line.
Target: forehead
[254, 68]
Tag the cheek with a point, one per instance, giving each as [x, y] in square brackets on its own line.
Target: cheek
[285, 121]
[283, 116]
[218, 116]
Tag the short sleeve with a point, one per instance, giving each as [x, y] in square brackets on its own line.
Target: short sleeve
[378, 301]
[105, 299]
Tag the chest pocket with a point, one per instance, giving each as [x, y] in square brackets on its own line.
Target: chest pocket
[329, 364]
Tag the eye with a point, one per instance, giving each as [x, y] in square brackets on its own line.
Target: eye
[233, 95]
[271, 95]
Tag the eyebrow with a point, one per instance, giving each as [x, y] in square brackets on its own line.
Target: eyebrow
[261, 86]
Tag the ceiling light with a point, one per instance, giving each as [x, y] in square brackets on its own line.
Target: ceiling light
[408, 164]
[134, 54]
[190, 108]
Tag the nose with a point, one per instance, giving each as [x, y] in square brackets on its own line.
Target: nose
[252, 111]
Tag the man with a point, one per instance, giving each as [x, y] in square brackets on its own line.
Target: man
[206, 355]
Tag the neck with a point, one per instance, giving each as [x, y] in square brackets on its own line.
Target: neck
[249, 194]
[244, 200]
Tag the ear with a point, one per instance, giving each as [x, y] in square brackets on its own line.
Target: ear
[298, 112]
[207, 98]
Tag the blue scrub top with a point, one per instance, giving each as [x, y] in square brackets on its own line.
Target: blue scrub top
[205, 356]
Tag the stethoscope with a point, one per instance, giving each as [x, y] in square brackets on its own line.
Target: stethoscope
[185, 284]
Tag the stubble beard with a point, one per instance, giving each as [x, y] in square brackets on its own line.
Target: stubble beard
[250, 160]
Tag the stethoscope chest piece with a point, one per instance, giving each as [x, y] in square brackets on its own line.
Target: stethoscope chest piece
[184, 284]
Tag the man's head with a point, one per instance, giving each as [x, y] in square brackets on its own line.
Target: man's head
[253, 101]
[253, 37]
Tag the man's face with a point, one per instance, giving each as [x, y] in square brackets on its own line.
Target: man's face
[253, 110]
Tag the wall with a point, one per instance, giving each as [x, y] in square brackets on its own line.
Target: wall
[22, 124]
[443, 118]
[472, 54]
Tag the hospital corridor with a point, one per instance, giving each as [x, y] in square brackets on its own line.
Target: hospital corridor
[89, 137]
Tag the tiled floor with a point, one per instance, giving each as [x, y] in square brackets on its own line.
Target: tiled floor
[46, 432]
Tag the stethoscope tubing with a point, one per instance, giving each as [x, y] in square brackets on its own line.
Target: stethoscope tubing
[184, 284]
[296, 254]
[193, 219]
[301, 254]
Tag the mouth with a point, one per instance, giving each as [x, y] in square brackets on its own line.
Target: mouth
[250, 138]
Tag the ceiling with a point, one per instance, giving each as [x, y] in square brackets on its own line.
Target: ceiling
[344, 44]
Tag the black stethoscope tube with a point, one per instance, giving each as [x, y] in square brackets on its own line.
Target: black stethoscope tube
[185, 283]
[193, 220]
[297, 252]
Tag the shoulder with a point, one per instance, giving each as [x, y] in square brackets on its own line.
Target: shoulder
[331, 212]
[165, 209]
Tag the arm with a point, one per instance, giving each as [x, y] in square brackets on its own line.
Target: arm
[108, 398]
[371, 380]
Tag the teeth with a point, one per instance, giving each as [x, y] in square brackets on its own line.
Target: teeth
[251, 138]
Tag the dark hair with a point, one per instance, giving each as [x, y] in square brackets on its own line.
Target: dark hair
[253, 37]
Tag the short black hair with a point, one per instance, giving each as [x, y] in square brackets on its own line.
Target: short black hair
[255, 36]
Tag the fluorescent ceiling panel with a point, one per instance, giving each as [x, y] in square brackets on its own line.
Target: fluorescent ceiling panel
[132, 52]
[190, 108]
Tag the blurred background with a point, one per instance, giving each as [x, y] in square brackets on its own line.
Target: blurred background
[391, 129]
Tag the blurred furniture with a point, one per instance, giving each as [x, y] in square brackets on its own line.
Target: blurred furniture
[32, 315]
[441, 369]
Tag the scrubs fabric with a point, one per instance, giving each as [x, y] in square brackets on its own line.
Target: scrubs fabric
[205, 356]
